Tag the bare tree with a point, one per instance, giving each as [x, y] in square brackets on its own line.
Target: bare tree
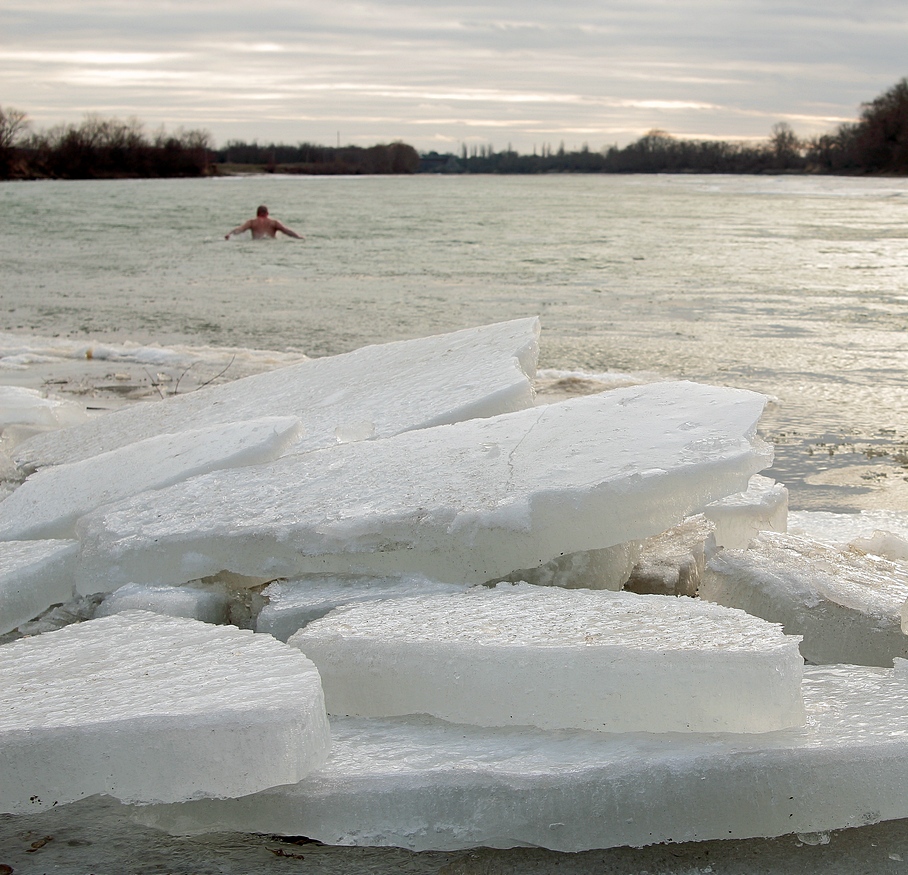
[13, 124]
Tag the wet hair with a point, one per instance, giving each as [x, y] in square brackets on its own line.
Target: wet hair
[262, 211]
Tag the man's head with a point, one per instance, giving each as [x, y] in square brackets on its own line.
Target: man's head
[262, 211]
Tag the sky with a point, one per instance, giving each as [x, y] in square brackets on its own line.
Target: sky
[443, 75]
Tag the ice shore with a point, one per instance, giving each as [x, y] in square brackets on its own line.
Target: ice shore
[379, 495]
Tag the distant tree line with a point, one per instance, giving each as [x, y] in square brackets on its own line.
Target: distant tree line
[102, 148]
[309, 158]
[98, 148]
[876, 143]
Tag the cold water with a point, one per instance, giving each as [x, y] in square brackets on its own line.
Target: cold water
[792, 286]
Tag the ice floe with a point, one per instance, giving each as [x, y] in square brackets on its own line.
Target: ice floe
[762, 507]
[149, 708]
[558, 659]
[847, 606]
[51, 500]
[464, 503]
[425, 784]
[372, 392]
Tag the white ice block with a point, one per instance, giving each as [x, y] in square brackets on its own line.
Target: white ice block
[50, 501]
[427, 785]
[154, 709]
[465, 503]
[293, 604]
[558, 659]
[376, 391]
[845, 605]
[763, 506]
[205, 605]
[33, 576]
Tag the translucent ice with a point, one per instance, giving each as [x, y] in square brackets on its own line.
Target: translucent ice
[607, 568]
[294, 603]
[50, 501]
[205, 605]
[845, 605]
[372, 392]
[763, 506]
[33, 576]
[422, 784]
[465, 503]
[149, 708]
[555, 658]
[672, 563]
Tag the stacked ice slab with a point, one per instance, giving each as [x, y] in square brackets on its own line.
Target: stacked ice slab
[371, 393]
[567, 719]
[558, 659]
[846, 605]
[464, 503]
[154, 709]
[425, 784]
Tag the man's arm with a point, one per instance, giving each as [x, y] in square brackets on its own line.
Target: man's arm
[288, 231]
[239, 229]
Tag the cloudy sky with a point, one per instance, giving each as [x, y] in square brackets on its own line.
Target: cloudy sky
[439, 74]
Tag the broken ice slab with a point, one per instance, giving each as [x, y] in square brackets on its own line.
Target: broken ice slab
[847, 606]
[465, 503]
[293, 604]
[427, 785]
[33, 576]
[204, 605]
[50, 501]
[558, 659]
[375, 391]
[763, 506]
[149, 708]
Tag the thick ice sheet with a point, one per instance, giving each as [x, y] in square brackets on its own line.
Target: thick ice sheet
[293, 604]
[423, 784]
[763, 506]
[149, 708]
[33, 576]
[558, 659]
[50, 501]
[846, 605]
[464, 503]
[375, 391]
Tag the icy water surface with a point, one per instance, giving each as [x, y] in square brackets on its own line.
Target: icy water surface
[792, 286]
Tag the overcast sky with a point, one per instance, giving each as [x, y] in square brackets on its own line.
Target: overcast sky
[440, 74]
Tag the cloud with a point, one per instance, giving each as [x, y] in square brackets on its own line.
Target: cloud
[295, 69]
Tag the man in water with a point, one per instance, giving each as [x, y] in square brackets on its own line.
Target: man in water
[263, 226]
